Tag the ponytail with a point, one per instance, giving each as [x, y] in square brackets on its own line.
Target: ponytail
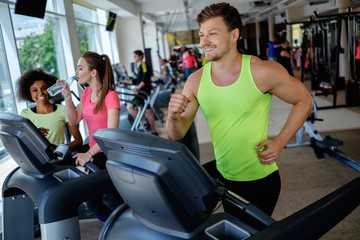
[103, 66]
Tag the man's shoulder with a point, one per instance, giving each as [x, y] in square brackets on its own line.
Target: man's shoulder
[259, 66]
[255, 60]
[192, 83]
[196, 76]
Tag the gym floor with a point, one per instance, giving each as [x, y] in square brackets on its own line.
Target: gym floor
[305, 178]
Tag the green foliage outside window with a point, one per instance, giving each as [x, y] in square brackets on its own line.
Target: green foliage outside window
[82, 34]
[39, 50]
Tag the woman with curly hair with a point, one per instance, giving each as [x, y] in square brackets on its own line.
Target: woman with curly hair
[50, 118]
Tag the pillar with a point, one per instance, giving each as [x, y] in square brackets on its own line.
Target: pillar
[257, 36]
[271, 28]
[344, 70]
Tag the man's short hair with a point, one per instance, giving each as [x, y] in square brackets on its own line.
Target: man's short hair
[139, 53]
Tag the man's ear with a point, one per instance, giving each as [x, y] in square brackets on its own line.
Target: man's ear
[236, 34]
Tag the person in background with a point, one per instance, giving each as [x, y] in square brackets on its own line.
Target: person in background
[235, 91]
[189, 63]
[142, 82]
[271, 51]
[49, 118]
[99, 107]
[298, 57]
[163, 76]
[203, 59]
[357, 60]
[174, 62]
[285, 57]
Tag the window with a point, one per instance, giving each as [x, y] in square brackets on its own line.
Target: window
[37, 43]
[92, 34]
[7, 101]
[86, 20]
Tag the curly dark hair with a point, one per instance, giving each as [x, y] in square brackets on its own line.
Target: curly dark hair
[28, 78]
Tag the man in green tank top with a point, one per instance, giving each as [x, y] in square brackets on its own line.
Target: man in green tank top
[234, 92]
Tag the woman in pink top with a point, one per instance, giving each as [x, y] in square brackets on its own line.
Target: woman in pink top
[99, 104]
[100, 108]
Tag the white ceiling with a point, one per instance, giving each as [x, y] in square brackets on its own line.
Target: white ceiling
[180, 15]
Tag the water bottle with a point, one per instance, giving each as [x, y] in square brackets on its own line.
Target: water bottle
[56, 88]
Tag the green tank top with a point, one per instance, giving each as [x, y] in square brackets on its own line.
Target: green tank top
[237, 117]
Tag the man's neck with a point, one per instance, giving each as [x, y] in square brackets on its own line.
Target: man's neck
[228, 62]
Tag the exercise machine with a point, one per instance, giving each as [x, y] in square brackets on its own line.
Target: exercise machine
[322, 44]
[320, 145]
[167, 192]
[169, 195]
[127, 120]
[56, 191]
